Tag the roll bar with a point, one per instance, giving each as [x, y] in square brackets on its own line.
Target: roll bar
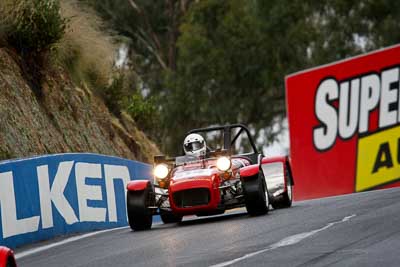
[228, 142]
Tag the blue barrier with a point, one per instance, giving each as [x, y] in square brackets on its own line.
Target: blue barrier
[53, 195]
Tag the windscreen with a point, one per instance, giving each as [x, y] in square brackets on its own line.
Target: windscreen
[185, 159]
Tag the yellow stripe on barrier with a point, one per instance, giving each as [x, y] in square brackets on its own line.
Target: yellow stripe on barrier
[378, 159]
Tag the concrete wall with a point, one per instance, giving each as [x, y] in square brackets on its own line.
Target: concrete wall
[52, 195]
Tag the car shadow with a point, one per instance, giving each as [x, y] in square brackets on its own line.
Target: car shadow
[194, 220]
[210, 219]
[229, 216]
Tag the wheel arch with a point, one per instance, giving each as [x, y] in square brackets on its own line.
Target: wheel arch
[137, 185]
[249, 172]
[7, 254]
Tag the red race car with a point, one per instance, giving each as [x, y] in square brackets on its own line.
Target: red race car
[7, 257]
[208, 181]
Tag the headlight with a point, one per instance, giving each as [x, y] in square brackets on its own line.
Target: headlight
[223, 164]
[161, 171]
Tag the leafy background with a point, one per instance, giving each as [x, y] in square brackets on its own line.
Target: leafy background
[182, 64]
[224, 61]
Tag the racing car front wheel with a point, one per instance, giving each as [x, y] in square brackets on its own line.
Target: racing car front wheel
[169, 217]
[140, 217]
[11, 262]
[256, 195]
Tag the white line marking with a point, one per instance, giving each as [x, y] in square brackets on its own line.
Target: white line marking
[63, 242]
[288, 241]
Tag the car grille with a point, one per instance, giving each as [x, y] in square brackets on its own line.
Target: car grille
[191, 197]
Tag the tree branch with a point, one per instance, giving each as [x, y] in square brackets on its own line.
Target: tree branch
[151, 33]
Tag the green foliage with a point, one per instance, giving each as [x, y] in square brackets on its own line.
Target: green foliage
[224, 72]
[114, 94]
[223, 61]
[143, 111]
[122, 95]
[34, 26]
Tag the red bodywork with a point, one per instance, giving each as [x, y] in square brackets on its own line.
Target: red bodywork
[195, 176]
[249, 171]
[211, 183]
[283, 159]
[5, 255]
[137, 185]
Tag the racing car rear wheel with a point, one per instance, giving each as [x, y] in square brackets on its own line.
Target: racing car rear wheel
[256, 195]
[169, 217]
[285, 199]
[140, 217]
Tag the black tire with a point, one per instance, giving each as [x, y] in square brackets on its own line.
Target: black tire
[169, 217]
[140, 217]
[256, 195]
[285, 199]
[10, 262]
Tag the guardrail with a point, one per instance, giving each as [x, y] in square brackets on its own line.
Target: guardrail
[53, 195]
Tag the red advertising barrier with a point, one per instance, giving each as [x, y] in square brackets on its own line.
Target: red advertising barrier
[344, 124]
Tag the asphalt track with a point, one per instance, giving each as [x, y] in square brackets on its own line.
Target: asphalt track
[353, 230]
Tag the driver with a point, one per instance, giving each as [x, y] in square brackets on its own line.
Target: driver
[195, 145]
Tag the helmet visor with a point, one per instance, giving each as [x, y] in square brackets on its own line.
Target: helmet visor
[194, 146]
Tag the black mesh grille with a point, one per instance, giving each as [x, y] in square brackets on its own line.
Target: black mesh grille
[192, 197]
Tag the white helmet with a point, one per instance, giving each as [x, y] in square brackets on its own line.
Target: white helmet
[194, 145]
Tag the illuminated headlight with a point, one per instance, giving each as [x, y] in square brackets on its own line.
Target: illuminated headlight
[223, 164]
[161, 171]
